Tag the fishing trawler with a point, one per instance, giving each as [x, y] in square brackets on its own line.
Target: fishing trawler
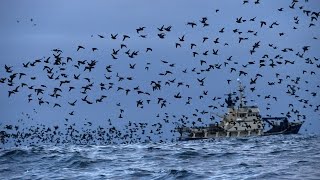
[241, 121]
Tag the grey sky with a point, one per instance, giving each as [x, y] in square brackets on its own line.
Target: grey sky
[67, 24]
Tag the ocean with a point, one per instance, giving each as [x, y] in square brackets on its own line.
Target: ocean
[269, 157]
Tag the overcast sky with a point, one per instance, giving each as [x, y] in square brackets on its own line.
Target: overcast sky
[31, 29]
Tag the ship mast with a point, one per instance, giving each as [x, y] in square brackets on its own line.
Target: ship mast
[240, 92]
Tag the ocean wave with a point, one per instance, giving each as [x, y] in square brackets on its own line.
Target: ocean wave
[265, 158]
[14, 153]
[180, 174]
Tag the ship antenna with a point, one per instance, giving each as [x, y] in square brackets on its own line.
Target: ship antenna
[240, 92]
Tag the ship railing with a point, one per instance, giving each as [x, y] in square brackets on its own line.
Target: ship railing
[275, 118]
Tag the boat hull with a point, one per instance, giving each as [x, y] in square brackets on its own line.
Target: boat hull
[283, 127]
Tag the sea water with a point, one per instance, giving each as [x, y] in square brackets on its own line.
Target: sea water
[269, 157]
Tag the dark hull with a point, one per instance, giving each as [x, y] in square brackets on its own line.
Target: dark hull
[283, 126]
[292, 128]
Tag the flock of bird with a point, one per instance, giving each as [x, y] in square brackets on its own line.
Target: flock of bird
[59, 76]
